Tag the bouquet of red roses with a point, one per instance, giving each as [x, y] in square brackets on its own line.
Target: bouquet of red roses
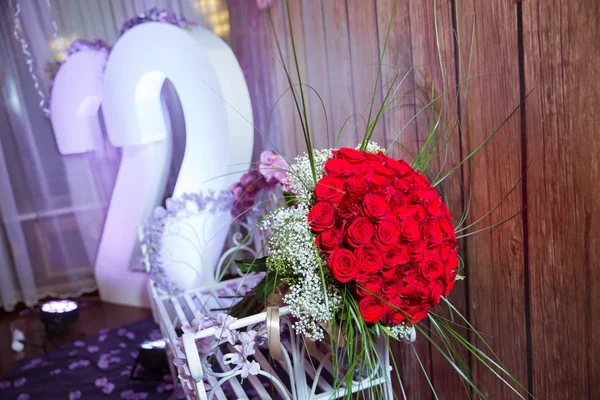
[387, 233]
[371, 237]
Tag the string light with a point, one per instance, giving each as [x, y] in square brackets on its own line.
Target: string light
[19, 36]
[54, 25]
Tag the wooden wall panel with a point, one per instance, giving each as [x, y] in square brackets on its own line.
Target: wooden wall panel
[364, 52]
[435, 73]
[339, 70]
[285, 108]
[300, 42]
[545, 272]
[251, 42]
[401, 133]
[495, 257]
[562, 54]
[317, 78]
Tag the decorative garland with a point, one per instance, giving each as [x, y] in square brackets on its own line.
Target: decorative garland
[244, 200]
[77, 46]
[156, 15]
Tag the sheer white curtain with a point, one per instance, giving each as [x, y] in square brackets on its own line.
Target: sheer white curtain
[52, 207]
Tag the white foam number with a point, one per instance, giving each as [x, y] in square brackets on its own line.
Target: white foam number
[219, 137]
[75, 100]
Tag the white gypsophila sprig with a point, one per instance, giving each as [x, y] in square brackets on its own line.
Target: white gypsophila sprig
[403, 332]
[372, 147]
[300, 178]
[310, 301]
[314, 298]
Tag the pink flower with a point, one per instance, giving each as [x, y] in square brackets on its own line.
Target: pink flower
[273, 167]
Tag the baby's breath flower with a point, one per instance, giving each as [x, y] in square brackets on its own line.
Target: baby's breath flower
[314, 298]
[372, 147]
[403, 332]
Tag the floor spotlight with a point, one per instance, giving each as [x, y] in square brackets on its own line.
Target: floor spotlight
[152, 357]
[58, 316]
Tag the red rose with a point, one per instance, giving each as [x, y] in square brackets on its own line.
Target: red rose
[432, 232]
[448, 231]
[378, 183]
[418, 179]
[390, 271]
[397, 202]
[343, 265]
[338, 167]
[330, 189]
[408, 272]
[449, 257]
[417, 212]
[415, 313]
[388, 231]
[395, 313]
[450, 278]
[445, 212]
[414, 292]
[416, 249]
[414, 195]
[382, 169]
[436, 289]
[329, 240]
[410, 229]
[394, 317]
[362, 169]
[413, 211]
[359, 232]
[432, 202]
[351, 155]
[403, 212]
[374, 206]
[347, 209]
[389, 289]
[369, 258]
[321, 217]
[395, 256]
[403, 185]
[371, 156]
[399, 166]
[372, 309]
[367, 284]
[431, 266]
[357, 186]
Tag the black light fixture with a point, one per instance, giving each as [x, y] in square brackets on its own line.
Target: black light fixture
[58, 316]
[152, 357]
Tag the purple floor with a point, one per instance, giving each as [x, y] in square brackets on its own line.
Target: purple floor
[96, 367]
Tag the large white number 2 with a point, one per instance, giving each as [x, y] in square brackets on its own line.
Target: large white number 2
[219, 136]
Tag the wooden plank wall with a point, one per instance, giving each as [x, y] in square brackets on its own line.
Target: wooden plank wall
[532, 282]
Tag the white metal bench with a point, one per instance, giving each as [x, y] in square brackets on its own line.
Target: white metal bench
[302, 370]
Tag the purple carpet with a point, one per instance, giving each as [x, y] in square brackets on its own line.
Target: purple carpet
[97, 367]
